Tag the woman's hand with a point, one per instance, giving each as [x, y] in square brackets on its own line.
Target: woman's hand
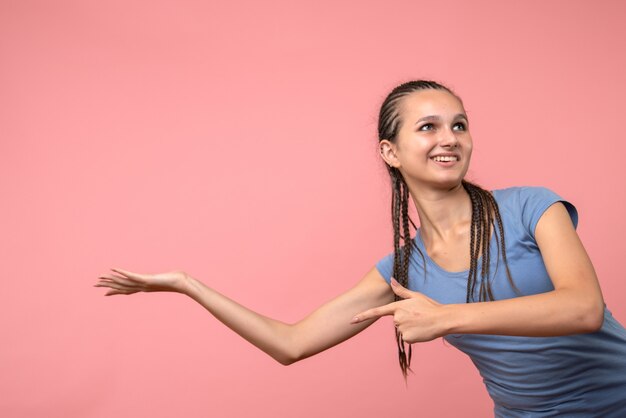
[417, 317]
[127, 283]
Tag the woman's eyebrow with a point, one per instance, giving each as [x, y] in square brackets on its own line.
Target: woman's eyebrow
[438, 118]
[428, 118]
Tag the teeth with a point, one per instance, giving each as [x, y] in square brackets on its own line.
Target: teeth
[445, 158]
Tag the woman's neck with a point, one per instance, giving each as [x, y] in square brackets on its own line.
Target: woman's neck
[443, 214]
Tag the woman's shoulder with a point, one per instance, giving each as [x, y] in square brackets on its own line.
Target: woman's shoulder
[530, 202]
[521, 191]
[521, 196]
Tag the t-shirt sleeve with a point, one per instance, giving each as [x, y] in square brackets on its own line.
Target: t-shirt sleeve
[385, 267]
[536, 200]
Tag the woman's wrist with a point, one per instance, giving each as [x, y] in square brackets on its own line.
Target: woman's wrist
[452, 318]
[187, 285]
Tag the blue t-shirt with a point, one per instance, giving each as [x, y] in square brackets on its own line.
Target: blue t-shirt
[582, 375]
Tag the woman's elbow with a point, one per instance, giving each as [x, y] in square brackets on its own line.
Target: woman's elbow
[286, 360]
[594, 317]
[287, 356]
[293, 356]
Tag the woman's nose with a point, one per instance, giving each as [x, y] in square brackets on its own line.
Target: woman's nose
[449, 139]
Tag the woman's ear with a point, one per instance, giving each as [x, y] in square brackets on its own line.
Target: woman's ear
[388, 152]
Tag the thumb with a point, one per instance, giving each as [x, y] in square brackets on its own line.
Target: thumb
[400, 290]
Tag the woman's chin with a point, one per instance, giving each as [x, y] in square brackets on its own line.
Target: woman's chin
[447, 182]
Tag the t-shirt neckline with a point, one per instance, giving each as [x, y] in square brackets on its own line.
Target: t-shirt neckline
[420, 244]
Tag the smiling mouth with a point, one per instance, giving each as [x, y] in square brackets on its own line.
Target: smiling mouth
[447, 158]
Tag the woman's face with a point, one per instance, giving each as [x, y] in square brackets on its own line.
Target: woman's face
[433, 146]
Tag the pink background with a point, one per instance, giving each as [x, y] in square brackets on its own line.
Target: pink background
[237, 141]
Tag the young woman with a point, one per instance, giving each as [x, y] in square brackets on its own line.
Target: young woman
[488, 271]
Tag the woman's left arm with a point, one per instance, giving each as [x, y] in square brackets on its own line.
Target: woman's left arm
[574, 306]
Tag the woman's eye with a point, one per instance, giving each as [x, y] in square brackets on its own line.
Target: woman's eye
[459, 126]
[426, 127]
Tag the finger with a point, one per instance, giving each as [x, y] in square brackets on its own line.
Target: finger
[117, 279]
[116, 286]
[110, 278]
[119, 292]
[125, 272]
[130, 275]
[388, 309]
[124, 282]
[400, 290]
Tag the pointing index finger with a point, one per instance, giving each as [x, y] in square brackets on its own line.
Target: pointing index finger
[375, 313]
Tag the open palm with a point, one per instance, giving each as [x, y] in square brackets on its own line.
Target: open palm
[127, 283]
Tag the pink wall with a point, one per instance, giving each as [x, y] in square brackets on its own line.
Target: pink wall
[237, 141]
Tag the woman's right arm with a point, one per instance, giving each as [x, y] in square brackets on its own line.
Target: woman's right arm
[323, 328]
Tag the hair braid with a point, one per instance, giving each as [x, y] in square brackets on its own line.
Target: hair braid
[402, 253]
[500, 242]
[484, 274]
[475, 239]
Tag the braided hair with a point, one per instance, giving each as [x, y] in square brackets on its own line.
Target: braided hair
[484, 211]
